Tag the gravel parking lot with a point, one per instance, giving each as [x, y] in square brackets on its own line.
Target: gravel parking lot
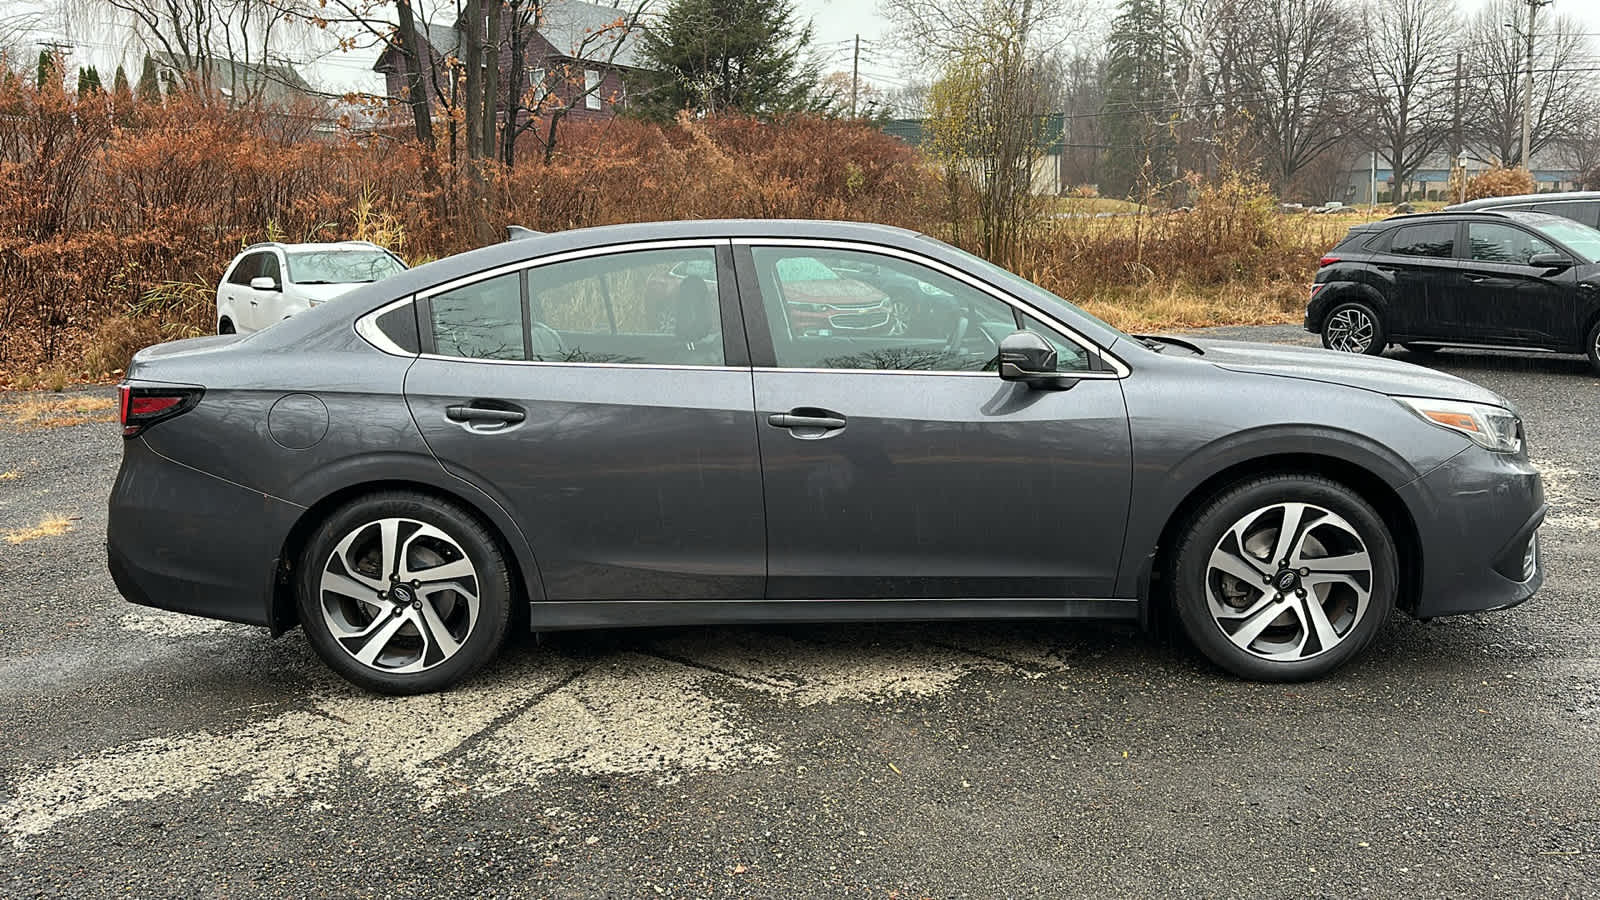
[160, 755]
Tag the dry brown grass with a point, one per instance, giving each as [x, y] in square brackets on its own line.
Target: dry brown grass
[50, 527]
[11, 475]
[57, 411]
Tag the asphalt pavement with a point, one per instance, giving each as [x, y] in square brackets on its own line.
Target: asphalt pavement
[153, 754]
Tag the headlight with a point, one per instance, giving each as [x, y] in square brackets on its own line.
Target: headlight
[1492, 427]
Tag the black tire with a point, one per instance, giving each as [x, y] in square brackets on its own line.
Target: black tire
[1593, 343]
[225, 327]
[1421, 349]
[1354, 309]
[478, 639]
[1191, 573]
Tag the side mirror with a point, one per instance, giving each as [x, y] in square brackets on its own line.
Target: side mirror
[1029, 358]
[1550, 261]
[263, 283]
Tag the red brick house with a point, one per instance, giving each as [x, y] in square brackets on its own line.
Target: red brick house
[578, 57]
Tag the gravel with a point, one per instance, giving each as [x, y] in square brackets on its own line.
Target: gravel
[159, 755]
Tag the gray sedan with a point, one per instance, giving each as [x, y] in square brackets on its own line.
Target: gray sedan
[556, 432]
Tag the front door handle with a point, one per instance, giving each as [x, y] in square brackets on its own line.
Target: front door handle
[793, 420]
[1475, 279]
[488, 414]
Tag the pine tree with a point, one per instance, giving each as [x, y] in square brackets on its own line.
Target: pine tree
[88, 81]
[1138, 100]
[47, 69]
[725, 55]
[119, 84]
[149, 85]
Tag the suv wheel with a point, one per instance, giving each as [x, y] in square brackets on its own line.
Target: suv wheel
[1594, 346]
[1353, 328]
[225, 327]
[402, 593]
[1284, 577]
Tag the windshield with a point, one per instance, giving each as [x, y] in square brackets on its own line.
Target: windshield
[1579, 238]
[342, 266]
[1016, 284]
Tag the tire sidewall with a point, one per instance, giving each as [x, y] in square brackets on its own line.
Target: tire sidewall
[494, 591]
[1206, 530]
[1380, 334]
[1590, 349]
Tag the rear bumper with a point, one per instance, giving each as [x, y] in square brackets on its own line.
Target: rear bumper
[180, 539]
[1477, 516]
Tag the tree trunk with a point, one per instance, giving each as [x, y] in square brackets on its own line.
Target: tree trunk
[514, 87]
[417, 95]
[491, 77]
[472, 58]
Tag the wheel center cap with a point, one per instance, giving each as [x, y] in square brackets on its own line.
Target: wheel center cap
[401, 595]
[1287, 580]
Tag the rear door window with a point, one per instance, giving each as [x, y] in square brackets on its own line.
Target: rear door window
[1435, 240]
[1586, 211]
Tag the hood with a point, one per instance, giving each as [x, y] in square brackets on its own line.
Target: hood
[1372, 373]
[321, 293]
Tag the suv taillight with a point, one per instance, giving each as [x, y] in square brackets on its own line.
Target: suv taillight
[1327, 261]
[141, 407]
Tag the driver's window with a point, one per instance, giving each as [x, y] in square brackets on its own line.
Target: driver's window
[847, 309]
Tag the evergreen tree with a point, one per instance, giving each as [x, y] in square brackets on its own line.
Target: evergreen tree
[1138, 100]
[47, 69]
[725, 55]
[149, 85]
[119, 84]
[88, 81]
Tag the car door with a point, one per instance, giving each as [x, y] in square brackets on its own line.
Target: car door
[607, 415]
[1503, 299]
[234, 295]
[1422, 273]
[897, 466]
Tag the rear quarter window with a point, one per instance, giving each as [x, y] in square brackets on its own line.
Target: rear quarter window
[1435, 240]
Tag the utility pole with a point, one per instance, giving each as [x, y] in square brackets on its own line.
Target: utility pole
[1527, 85]
[1458, 159]
[855, 75]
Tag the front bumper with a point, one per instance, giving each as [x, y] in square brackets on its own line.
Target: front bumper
[180, 539]
[1477, 519]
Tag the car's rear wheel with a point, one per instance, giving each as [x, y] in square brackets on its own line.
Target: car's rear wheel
[1284, 577]
[225, 327]
[1353, 327]
[1594, 346]
[402, 593]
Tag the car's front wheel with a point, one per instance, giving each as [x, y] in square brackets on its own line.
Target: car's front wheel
[1353, 327]
[402, 593]
[1594, 346]
[1284, 577]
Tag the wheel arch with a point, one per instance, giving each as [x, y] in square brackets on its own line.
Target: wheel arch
[1363, 480]
[524, 571]
[1341, 292]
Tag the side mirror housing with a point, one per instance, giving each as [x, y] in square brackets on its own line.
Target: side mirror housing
[1027, 357]
[1550, 261]
[263, 283]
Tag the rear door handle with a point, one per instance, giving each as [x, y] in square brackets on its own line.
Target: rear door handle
[1474, 278]
[484, 414]
[791, 420]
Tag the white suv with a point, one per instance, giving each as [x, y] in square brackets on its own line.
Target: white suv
[270, 282]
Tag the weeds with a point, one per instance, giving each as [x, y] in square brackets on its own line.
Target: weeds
[57, 411]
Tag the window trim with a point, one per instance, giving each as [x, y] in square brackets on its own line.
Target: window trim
[1118, 368]
[366, 326]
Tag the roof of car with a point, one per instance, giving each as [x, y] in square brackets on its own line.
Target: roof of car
[315, 246]
[1519, 199]
[1523, 215]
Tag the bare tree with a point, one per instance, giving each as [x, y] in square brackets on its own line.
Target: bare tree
[1404, 77]
[1289, 59]
[1498, 57]
[206, 39]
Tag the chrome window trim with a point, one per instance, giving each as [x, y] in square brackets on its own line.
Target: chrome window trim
[1119, 368]
[743, 370]
[366, 325]
[367, 328]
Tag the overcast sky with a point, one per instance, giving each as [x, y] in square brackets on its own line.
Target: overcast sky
[835, 24]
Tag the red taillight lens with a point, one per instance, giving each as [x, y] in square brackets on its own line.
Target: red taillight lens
[123, 394]
[142, 407]
[1327, 260]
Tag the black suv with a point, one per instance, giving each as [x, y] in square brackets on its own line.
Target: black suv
[1487, 278]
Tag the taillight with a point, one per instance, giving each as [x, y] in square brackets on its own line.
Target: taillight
[1316, 288]
[142, 407]
[1327, 261]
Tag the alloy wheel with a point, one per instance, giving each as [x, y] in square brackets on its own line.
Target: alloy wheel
[1289, 582]
[1350, 330]
[399, 596]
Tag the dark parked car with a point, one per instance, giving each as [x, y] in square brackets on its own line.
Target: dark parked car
[1488, 278]
[1579, 206]
[517, 434]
